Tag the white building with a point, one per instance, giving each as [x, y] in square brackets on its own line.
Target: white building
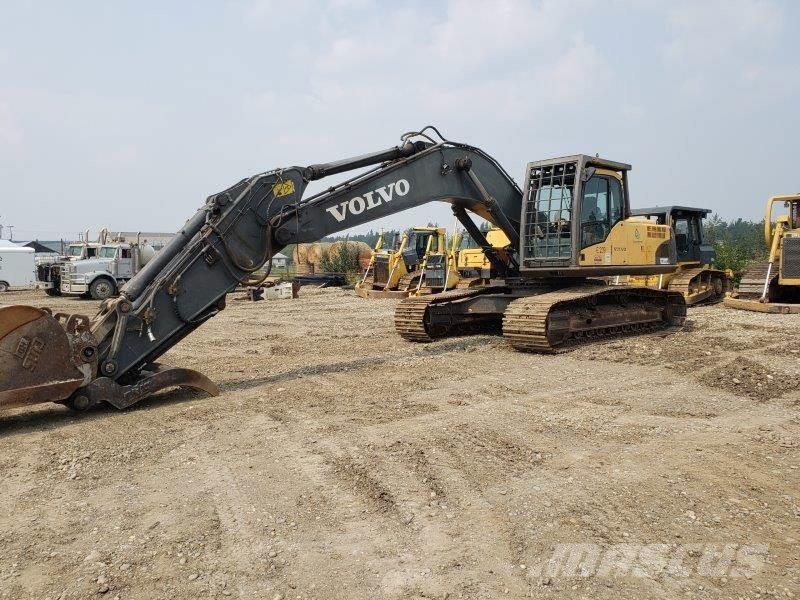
[279, 261]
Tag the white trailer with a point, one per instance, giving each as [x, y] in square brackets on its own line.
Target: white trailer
[17, 267]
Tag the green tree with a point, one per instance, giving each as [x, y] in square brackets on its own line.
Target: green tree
[737, 243]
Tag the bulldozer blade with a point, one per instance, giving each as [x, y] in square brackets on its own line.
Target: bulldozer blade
[36, 358]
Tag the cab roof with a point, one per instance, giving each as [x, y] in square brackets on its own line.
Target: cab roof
[583, 160]
[669, 210]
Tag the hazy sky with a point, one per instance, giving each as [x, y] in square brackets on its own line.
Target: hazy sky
[128, 114]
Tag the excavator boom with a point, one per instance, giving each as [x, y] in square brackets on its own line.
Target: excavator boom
[112, 357]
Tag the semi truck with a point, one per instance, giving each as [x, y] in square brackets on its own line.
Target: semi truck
[102, 276]
[48, 270]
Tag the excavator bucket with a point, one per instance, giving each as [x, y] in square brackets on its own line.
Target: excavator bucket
[41, 358]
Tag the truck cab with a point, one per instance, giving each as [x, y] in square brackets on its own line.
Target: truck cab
[102, 276]
[49, 270]
[120, 258]
[82, 251]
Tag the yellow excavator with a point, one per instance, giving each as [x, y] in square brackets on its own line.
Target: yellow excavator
[773, 286]
[575, 228]
[569, 226]
[396, 272]
[694, 276]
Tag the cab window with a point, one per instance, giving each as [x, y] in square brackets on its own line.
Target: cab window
[685, 236]
[422, 244]
[601, 209]
[553, 219]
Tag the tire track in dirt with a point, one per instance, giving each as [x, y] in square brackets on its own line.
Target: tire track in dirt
[393, 491]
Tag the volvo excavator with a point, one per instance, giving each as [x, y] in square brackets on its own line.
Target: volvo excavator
[569, 223]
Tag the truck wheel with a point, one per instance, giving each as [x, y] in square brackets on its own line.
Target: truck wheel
[102, 288]
[3, 286]
[52, 292]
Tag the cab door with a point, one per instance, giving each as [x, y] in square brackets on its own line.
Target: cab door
[601, 209]
[124, 262]
[687, 238]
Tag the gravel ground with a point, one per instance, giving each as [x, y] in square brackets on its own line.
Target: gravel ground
[342, 462]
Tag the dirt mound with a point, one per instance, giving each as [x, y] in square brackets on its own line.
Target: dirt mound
[746, 377]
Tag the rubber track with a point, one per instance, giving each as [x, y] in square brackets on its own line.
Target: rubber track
[525, 320]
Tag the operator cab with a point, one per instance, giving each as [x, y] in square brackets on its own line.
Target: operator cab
[687, 223]
[793, 206]
[418, 244]
[573, 222]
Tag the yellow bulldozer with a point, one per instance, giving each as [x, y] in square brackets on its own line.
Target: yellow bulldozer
[439, 267]
[694, 276]
[474, 266]
[395, 271]
[452, 267]
[774, 285]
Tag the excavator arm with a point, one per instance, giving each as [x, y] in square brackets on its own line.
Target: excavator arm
[112, 357]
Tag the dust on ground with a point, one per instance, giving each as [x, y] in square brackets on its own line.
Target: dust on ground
[342, 462]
